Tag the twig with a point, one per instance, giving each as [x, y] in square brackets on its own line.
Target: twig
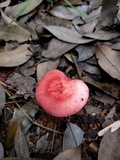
[30, 119]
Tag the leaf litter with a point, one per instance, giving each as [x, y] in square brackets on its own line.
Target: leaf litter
[86, 48]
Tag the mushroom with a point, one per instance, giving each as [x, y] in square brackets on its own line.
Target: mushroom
[59, 95]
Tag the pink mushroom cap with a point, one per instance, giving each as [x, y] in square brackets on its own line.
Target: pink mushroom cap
[59, 95]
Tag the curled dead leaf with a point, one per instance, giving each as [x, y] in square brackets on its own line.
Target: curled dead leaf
[15, 57]
[109, 60]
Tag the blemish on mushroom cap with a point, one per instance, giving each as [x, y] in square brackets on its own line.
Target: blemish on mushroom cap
[60, 96]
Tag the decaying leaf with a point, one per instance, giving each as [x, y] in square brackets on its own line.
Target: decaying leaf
[6, 19]
[13, 10]
[64, 34]
[1, 151]
[92, 69]
[19, 119]
[111, 114]
[2, 99]
[109, 60]
[56, 48]
[28, 68]
[94, 14]
[66, 12]
[53, 21]
[94, 4]
[22, 32]
[104, 98]
[21, 146]
[73, 136]
[67, 35]
[108, 13]
[5, 3]
[116, 46]
[85, 52]
[16, 57]
[17, 158]
[12, 128]
[70, 154]
[14, 33]
[102, 35]
[42, 144]
[68, 57]
[110, 146]
[79, 66]
[92, 110]
[86, 28]
[108, 86]
[24, 85]
[43, 67]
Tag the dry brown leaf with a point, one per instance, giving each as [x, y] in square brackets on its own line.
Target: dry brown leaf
[104, 98]
[73, 136]
[109, 60]
[67, 35]
[68, 57]
[6, 19]
[1, 151]
[22, 33]
[42, 144]
[70, 154]
[85, 52]
[17, 158]
[2, 99]
[28, 68]
[5, 3]
[64, 61]
[108, 87]
[108, 13]
[24, 84]
[102, 35]
[64, 12]
[86, 28]
[14, 33]
[92, 110]
[13, 10]
[79, 65]
[15, 57]
[116, 46]
[110, 146]
[67, 12]
[11, 130]
[19, 119]
[52, 21]
[56, 48]
[94, 4]
[43, 67]
[92, 69]
[93, 15]
[21, 146]
[64, 34]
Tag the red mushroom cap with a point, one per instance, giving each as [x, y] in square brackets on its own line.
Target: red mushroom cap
[60, 96]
